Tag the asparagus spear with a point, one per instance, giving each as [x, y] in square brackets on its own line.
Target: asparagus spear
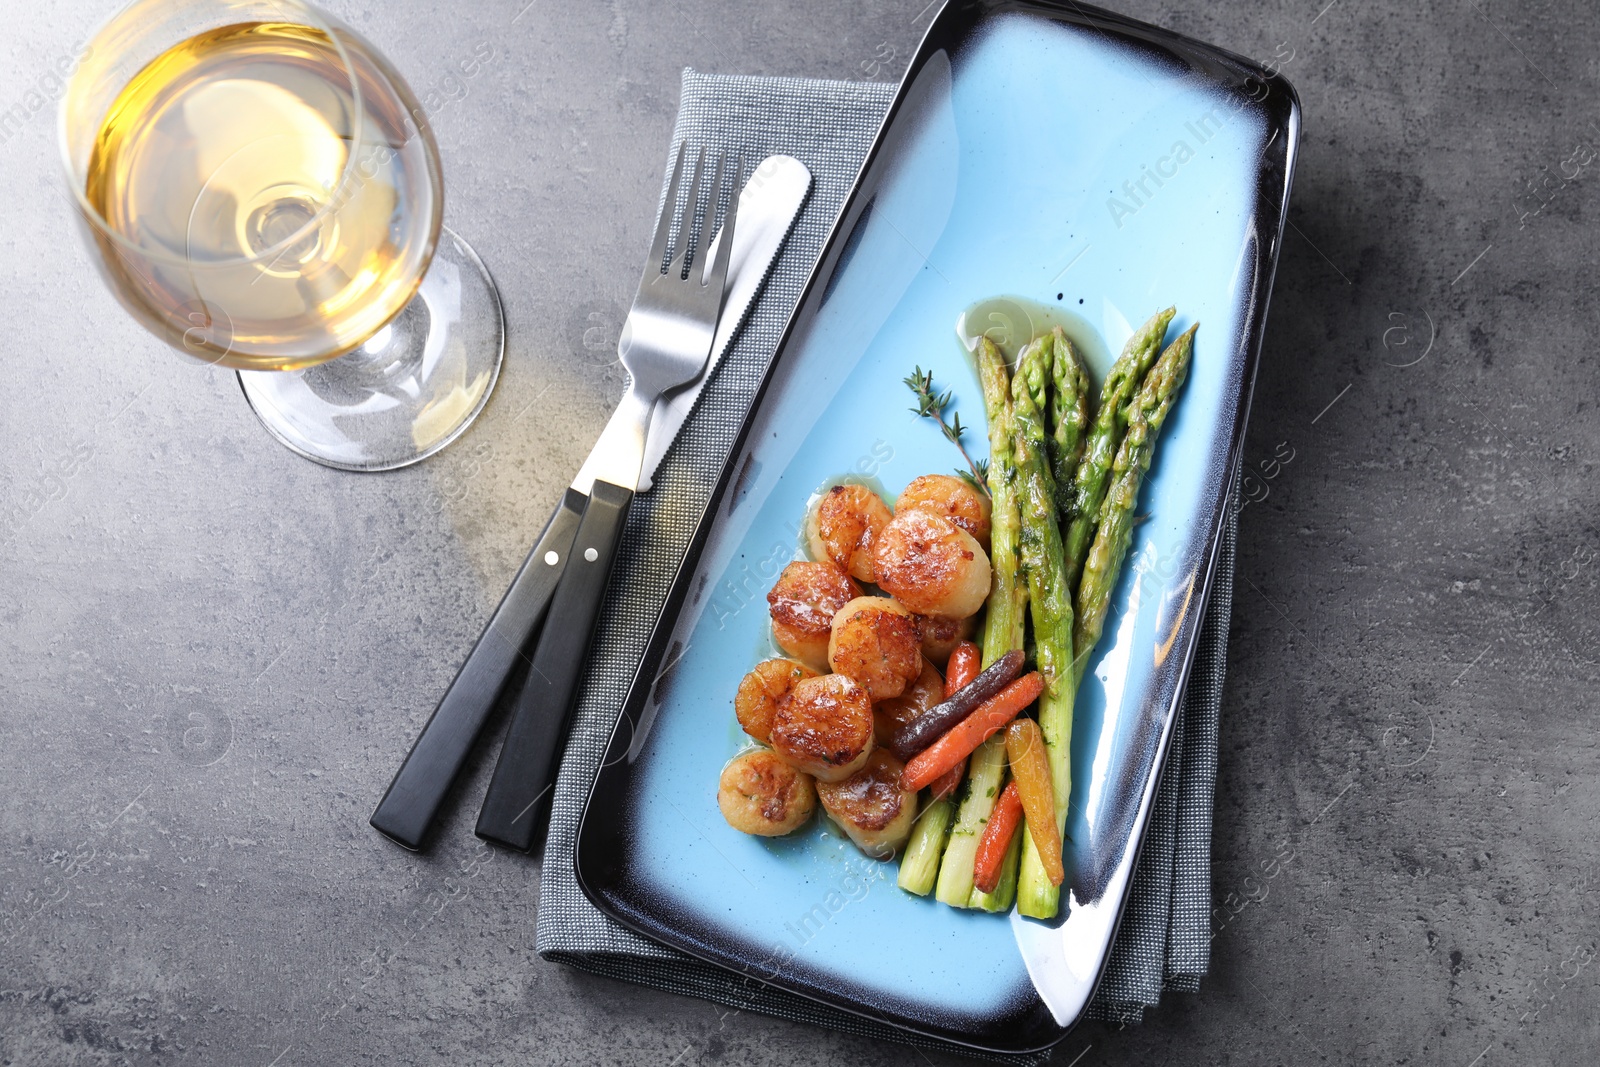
[984, 773]
[1101, 568]
[1003, 625]
[1040, 548]
[919, 866]
[1003, 622]
[1049, 598]
[1069, 415]
[1040, 561]
[1100, 446]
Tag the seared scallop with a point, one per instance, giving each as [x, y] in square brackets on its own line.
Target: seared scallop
[922, 694]
[941, 636]
[842, 526]
[871, 807]
[931, 565]
[762, 690]
[955, 498]
[825, 727]
[875, 642]
[803, 603]
[761, 794]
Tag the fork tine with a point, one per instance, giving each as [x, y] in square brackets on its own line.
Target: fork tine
[718, 273]
[686, 222]
[658, 247]
[709, 218]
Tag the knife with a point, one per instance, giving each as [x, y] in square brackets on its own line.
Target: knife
[768, 204]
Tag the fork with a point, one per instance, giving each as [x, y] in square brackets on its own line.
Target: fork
[665, 343]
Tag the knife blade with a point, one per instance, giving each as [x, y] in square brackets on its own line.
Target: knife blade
[768, 204]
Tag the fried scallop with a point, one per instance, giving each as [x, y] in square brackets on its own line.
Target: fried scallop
[761, 794]
[931, 565]
[842, 527]
[762, 690]
[875, 641]
[803, 603]
[871, 807]
[922, 694]
[825, 727]
[955, 498]
[941, 636]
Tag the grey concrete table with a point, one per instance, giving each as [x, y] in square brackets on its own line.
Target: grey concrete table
[212, 653]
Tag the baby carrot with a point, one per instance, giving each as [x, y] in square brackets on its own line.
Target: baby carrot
[916, 735]
[996, 839]
[964, 664]
[963, 667]
[946, 783]
[964, 737]
[1030, 773]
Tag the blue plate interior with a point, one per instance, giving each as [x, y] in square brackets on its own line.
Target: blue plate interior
[1094, 171]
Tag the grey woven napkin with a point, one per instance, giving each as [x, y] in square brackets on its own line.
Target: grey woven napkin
[1165, 935]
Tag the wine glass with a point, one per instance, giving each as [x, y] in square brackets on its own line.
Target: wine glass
[262, 191]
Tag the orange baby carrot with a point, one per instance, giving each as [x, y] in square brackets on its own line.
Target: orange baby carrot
[964, 737]
[996, 838]
[965, 662]
[963, 667]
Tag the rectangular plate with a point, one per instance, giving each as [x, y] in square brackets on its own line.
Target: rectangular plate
[1074, 159]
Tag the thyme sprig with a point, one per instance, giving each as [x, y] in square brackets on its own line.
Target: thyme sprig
[932, 404]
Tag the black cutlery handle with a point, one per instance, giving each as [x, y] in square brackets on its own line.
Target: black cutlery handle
[526, 771]
[424, 779]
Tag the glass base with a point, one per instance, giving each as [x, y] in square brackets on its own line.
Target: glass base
[411, 389]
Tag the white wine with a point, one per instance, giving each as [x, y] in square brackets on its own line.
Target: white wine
[272, 196]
